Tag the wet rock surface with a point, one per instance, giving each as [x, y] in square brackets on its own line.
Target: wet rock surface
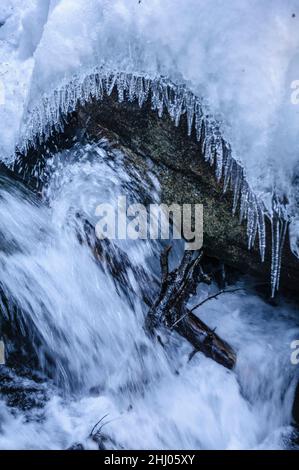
[21, 388]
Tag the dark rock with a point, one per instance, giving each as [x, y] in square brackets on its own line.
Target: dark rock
[22, 389]
[76, 446]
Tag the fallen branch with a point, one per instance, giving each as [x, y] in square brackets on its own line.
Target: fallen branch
[170, 309]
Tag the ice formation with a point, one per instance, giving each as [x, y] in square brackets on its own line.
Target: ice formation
[176, 100]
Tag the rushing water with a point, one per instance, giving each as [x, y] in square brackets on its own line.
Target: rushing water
[88, 334]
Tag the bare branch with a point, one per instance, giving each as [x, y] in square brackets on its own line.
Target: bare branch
[203, 302]
[214, 296]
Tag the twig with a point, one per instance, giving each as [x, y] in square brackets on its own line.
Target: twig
[214, 296]
[223, 291]
[96, 425]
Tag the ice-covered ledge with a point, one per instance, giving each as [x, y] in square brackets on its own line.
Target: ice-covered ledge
[130, 105]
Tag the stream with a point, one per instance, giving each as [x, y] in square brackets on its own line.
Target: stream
[92, 358]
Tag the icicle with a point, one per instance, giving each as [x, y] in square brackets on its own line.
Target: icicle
[68, 98]
[98, 86]
[142, 90]
[132, 88]
[208, 153]
[252, 220]
[120, 85]
[189, 104]
[178, 108]
[198, 120]
[87, 89]
[218, 156]
[169, 102]
[93, 85]
[227, 166]
[157, 97]
[261, 230]
[236, 181]
[110, 83]
[244, 201]
[210, 144]
[283, 233]
[275, 262]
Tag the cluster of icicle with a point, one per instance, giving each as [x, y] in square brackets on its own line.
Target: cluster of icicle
[177, 101]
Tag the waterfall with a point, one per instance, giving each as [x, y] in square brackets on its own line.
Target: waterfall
[73, 328]
[90, 341]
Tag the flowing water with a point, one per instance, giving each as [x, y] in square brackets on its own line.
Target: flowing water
[89, 339]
